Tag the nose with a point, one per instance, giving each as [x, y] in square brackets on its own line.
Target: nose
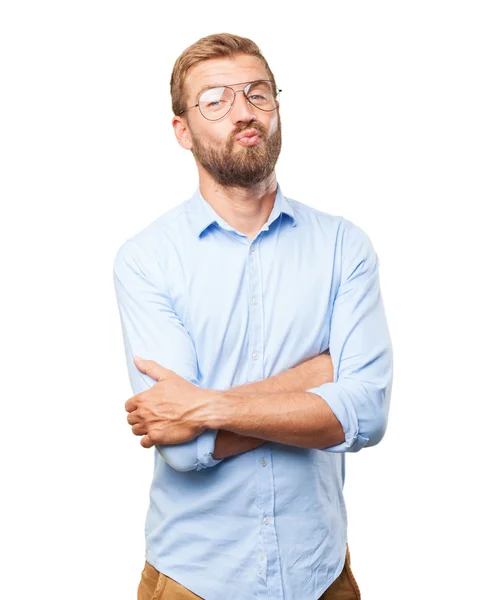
[242, 110]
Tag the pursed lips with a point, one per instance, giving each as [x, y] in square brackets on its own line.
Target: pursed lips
[248, 133]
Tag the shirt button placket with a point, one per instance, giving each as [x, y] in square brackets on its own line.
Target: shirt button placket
[256, 317]
[266, 569]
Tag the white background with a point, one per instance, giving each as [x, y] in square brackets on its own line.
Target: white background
[380, 119]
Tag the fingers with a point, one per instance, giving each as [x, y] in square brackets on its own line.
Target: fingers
[133, 418]
[131, 404]
[146, 442]
[138, 426]
[139, 429]
[151, 368]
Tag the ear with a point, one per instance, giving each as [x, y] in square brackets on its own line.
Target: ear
[182, 132]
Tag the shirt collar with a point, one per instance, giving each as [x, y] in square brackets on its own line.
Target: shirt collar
[204, 214]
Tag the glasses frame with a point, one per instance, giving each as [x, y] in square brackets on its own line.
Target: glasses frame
[197, 105]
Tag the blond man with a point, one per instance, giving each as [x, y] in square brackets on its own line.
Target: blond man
[258, 353]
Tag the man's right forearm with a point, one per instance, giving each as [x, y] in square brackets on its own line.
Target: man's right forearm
[310, 373]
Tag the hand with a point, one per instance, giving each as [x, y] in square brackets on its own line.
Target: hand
[168, 412]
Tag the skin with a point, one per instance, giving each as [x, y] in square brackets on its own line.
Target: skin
[167, 410]
[278, 409]
[245, 208]
[175, 410]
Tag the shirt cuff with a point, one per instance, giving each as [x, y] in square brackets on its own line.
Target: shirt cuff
[205, 446]
[339, 401]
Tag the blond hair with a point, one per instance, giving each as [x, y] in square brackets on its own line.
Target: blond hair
[217, 45]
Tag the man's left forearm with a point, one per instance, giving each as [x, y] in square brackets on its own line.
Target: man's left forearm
[296, 418]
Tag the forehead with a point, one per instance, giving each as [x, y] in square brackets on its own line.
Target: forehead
[224, 71]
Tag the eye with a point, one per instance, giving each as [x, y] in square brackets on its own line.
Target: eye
[215, 105]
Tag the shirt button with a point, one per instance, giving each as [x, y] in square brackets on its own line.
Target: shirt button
[253, 248]
[255, 356]
[261, 556]
[260, 571]
[266, 521]
[263, 462]
[255, 300]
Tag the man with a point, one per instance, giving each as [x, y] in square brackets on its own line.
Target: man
[230, 303]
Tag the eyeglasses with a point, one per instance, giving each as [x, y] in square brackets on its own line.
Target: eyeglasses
[216, 102]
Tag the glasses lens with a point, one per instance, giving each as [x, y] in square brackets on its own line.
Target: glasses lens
[214, 103]
[261, 94]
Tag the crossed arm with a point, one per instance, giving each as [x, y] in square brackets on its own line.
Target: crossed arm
[343, 413]
[174, 414]
[310, 373]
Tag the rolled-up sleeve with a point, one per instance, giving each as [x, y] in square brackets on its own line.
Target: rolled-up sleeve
[152, 330]
[360, 347]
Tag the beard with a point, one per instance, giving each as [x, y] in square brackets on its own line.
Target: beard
[235, 165]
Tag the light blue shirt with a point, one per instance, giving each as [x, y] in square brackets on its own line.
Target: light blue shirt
[200, 298]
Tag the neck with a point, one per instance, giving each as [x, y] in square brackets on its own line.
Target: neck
[245, 209]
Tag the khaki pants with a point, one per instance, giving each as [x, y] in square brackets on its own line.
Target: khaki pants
[157, 586]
